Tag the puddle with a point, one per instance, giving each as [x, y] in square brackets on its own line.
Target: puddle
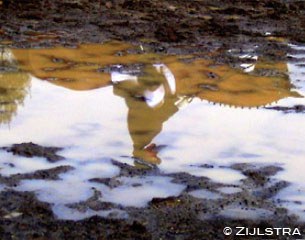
[116, 101]
[11, 164]
[145, 188]
[222, 175]
[205, 194]
[2, 187]
[246, 213]
[229, 190]
[63, 212]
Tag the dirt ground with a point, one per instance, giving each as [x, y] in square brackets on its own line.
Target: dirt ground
[169, 26]
[205, 28]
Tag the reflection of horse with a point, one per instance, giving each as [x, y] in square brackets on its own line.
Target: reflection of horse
[155, 94]
[151, 99]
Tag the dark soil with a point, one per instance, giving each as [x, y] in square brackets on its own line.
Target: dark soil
[169, 26]
[293, 109]
[34, 150]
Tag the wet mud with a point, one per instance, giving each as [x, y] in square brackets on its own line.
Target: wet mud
[202, 31]
[34, 150]
[186, 216]
[295, 109]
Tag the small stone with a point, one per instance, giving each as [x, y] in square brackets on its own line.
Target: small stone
[12, 215]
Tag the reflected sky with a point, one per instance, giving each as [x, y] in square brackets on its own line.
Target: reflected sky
[101, 101]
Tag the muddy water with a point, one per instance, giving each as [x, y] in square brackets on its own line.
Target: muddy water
[117, 101]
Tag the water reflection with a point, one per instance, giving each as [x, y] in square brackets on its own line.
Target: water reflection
[154, 87]
[90, 66]
[114, 82]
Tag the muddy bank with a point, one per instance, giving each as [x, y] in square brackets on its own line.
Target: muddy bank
[31, 150]
[176, 26]
[293, 109]
[161, 220]
[201, 211]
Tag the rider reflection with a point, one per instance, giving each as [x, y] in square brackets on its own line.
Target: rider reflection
[151, 100]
